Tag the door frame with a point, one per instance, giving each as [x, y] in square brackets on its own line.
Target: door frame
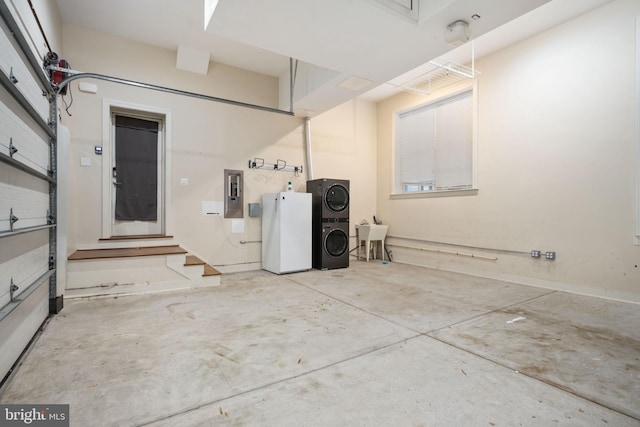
[110, 106]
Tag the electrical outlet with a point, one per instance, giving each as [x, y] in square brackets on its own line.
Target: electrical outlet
[550, 255]
[535, 254]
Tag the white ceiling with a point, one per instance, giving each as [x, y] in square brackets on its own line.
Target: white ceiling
[353, 38]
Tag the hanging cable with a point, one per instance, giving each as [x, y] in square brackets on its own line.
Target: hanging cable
[67, 106]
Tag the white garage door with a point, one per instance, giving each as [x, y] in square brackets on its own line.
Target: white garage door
[27, 187]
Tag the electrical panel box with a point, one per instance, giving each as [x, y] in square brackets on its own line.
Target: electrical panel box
[233, 205]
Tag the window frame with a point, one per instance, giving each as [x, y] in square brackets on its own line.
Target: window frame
[437, 98]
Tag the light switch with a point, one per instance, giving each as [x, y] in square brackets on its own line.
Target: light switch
[85, 161]
[184, 181]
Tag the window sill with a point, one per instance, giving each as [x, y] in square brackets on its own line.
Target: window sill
[430, 194]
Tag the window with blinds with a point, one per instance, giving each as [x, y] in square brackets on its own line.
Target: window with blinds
[434, 146]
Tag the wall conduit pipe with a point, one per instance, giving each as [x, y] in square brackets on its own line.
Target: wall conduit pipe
[440, 251]
[457, 245]
[307, 141]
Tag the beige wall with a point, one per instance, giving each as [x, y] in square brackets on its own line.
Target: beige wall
[556, 147]
[207, 138]
[556, 167]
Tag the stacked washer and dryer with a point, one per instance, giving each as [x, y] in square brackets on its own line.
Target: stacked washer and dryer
[330, 223]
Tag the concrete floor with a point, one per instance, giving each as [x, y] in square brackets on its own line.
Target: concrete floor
[375, 344]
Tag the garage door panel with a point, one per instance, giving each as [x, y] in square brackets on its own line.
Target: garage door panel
[29, 203]
[20, 324]
[25, 189]
[23, 270]
[14, 67]
[20, 244]
[36, 42]
[33, 148]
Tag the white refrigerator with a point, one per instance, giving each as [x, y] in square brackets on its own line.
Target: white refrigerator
[286, 232]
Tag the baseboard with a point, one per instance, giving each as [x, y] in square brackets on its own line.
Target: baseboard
[619, 296]
[238, 268]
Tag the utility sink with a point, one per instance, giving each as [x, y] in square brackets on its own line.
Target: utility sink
[371, 233]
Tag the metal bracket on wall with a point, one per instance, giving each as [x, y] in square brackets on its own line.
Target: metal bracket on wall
[12, 289]
[12, 148]
[50, 218]
[13, 78]
[280, 165]
[12, 219]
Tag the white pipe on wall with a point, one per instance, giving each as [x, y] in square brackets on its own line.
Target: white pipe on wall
[307, 140]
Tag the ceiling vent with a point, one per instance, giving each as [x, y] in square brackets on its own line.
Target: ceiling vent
[355, 83]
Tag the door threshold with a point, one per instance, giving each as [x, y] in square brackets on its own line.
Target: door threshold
[136, 237]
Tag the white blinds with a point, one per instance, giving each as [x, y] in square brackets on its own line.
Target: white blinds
[415, 146]
[434, 146]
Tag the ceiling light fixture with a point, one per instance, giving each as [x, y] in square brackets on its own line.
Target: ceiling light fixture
[457, 33]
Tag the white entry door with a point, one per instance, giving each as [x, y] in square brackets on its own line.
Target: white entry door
[137, 148]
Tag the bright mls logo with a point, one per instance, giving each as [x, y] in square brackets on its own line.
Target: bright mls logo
[34, 415]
